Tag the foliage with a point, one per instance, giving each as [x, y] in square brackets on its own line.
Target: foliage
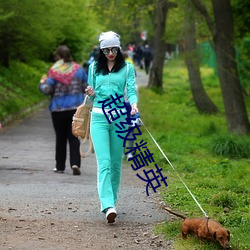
[230, 146]
[220, 184]
[19, 88]
[241, 17]
[242, 37]
[128, 18]
[27, 33]
[243, 60]
[175, 25]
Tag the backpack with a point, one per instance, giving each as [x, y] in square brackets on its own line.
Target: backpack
[81, 126]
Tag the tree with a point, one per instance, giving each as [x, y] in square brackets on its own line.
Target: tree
[242, 33]
[28, 33]
[128, 18]
[159, 44]
[223, 38]
[241, 17]
[201, 99]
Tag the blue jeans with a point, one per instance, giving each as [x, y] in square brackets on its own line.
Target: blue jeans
[108, 150]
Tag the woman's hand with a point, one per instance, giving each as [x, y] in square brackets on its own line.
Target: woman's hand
[90, 91]
[134, 109]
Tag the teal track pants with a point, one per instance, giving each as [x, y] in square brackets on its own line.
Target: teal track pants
[108, 150]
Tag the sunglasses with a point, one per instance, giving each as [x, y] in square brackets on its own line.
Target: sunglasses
[106, 51]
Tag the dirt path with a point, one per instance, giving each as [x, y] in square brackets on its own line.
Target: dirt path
[43, 210]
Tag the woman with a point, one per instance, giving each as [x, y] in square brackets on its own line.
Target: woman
[109, 75]
[65, 83]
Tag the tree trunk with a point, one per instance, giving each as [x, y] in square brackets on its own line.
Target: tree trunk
[223, 38]
[159, 46]
[201, 99]
[235, 109]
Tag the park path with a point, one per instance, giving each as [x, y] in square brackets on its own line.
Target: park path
[43, 210]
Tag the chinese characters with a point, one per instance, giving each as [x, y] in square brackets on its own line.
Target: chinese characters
[141, 154]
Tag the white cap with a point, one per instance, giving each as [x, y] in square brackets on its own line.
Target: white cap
[109, 39]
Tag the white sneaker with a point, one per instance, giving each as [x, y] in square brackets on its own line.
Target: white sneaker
[58, 171]
[111, 214]
[129, 156]
[76, 170]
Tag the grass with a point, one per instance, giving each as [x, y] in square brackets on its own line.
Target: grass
[19, 88]
[214, 164]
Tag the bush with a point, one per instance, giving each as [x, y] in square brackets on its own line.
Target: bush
[19, 88]
[224, 200]
[231, 146]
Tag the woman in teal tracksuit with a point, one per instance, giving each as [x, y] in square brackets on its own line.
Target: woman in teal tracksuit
[108, 76]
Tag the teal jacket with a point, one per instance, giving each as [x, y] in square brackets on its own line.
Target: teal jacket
[113, 83]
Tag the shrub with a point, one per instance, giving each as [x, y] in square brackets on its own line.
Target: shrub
[231, 146]
[223, 200]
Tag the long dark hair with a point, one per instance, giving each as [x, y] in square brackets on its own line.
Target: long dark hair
[102, 67]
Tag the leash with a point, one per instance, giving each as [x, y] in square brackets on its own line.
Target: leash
[175, 171]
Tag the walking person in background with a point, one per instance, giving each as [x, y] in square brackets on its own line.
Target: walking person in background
[65, 84]
[109, 75]
[92, 57]
[93, 54]
[147, 54]
[139, 56]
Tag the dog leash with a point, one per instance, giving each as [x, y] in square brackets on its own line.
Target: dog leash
[175, 170]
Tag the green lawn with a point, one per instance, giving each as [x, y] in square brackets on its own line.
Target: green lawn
[214, 164]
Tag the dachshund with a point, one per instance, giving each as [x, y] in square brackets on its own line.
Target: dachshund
[204, 229]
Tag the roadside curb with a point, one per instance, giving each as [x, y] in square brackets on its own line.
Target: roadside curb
[12, 118]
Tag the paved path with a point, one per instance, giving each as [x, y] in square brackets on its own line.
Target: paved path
[30, 190]
[141, 78]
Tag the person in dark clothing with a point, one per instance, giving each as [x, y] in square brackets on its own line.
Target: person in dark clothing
[138, 56]
[147, 54]
[65, 83]
[93, 55]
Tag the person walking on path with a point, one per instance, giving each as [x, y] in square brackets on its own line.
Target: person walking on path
[65, 84]
[108, 76]
[147, 54]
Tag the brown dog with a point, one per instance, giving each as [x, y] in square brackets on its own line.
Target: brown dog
[204, 228]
